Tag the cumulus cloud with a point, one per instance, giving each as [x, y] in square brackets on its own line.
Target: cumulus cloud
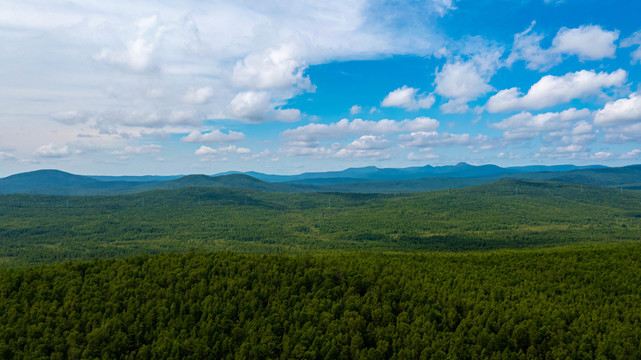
[369, 142]
[525, 125]
[274, 69]
[345, 128]
[553, 90]
[137, 52]
[620, 112]
[367, 146]
[256, 106]
[464, 81]
[373, 147]
[207, 59]
[406, 97]
[588, 42]
[623, 133]
[214, 137]
[229, 149]
[461, 80]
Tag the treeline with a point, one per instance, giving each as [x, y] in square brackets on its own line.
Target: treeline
[37, 229]
[582, 303]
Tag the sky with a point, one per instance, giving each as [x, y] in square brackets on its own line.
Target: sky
[162, 87]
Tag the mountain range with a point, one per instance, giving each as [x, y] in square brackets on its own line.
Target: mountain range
[366, 179]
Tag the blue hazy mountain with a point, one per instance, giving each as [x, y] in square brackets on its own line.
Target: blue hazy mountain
[460, 170]
[366, 179]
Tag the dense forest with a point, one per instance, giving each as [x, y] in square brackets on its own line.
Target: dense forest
[38, 229]
[582, 303]
[511, 270]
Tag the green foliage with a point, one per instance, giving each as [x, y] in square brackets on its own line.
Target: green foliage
[582, 303]
[515, 214]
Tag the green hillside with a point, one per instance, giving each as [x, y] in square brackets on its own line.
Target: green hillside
[507, 214]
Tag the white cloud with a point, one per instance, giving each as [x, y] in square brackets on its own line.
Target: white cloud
[420, 124]
[461, 80]
[432, 138]
[632, 154]
[138, 150]
[146, 119]
[229, 149]
[527, 46]
[199, 95]
[139, 51]
[256, 106]
[620, 112]
[345, 128]
[587, 42]
[569, 149]
[214, 137]
[406, 97]
[553, 90]
[369, 142]
[601, 155]
[287, 115]
[464, 81]
[250, 105]
[355, 109]
[148, 59]
[623, 134]
[305, 150]
[582, 127]
[273, 69]
[367, 146]
[53, 151]
[633, 40]
[525, 125]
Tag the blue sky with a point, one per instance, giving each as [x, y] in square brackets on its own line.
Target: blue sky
[152, 87]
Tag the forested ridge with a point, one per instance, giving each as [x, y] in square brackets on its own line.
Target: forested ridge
[37, 229]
